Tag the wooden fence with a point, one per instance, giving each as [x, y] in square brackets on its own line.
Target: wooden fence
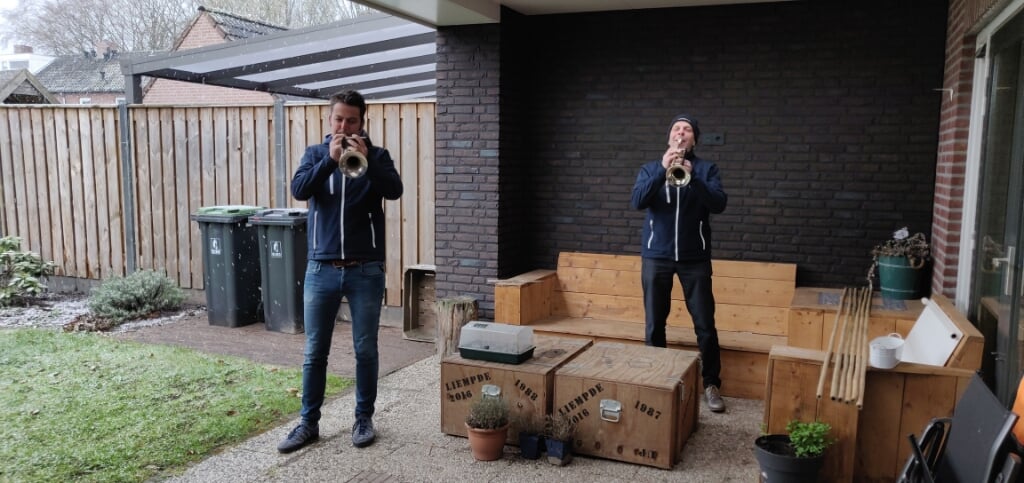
[63, 180]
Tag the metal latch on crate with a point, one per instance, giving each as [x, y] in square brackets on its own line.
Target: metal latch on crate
[611, 410]
[490, 390]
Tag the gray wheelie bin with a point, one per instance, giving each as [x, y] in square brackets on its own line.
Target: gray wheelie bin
[282, 236]
[231, 264]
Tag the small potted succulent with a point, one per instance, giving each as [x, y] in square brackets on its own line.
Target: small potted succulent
[559, 431]
[487, 427]
[795, 457]
[901, 263]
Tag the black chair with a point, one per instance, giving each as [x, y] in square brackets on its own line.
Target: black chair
[968, 448]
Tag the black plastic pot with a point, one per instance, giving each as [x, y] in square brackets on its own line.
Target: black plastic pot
[778, 464]
[531, 445]
[559, 452]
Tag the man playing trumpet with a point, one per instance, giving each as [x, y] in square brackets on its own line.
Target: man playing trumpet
[346, 256]
[680, 192]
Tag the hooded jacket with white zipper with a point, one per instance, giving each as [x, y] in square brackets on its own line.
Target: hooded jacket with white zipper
[346, 216]
[677, 223]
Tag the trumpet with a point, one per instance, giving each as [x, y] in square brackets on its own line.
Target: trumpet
[677, 175]
[352, 163]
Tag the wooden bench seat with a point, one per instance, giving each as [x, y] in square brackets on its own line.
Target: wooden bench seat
[599, 296]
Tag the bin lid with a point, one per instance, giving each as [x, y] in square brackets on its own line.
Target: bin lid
[225, 213]
[280, 216]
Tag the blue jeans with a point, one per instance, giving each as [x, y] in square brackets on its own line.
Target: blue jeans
[325, 285]
[656, 277]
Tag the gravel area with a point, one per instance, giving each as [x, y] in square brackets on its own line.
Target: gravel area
[53, 311]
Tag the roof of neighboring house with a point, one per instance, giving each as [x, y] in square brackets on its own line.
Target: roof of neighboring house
[21, 87]
[83, 73]
[236, 27]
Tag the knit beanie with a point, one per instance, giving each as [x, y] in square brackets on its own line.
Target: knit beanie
[689, 119]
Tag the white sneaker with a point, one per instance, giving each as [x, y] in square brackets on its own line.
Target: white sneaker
[714, 399]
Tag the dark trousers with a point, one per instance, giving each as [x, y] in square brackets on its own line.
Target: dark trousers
[695, 277]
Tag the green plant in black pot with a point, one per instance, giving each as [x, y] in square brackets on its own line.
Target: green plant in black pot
[531, 434]
[795, 457]
[559, 432]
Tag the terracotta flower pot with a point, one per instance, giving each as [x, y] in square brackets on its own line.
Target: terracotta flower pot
[487, 444]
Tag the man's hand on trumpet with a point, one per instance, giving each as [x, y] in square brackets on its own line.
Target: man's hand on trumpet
[340, 142]
[675, 154]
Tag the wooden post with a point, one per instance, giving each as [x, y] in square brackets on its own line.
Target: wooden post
[452, 314]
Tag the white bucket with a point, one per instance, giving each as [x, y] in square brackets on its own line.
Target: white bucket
[886, 351]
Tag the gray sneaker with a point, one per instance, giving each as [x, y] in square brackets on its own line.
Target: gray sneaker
[302, 435]
[362, 432]
[714, 399]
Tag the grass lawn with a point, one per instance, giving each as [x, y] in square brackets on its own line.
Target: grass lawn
[85, 407]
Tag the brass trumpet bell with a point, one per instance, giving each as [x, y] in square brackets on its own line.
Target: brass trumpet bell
[677, 175]
[353, 163]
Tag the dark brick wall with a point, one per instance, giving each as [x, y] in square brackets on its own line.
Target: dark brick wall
[828, 112]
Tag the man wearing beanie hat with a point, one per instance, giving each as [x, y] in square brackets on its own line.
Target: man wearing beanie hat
[676, 241]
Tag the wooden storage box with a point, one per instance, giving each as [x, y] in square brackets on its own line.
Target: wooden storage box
[527, 386]
[650, 399]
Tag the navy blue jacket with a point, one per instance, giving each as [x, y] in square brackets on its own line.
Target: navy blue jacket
[677, 224]
[346, 216]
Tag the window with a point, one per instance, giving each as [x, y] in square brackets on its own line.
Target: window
[85, 100]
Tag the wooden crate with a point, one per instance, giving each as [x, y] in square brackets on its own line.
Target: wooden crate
[656, 389]
[419, 318]
[527, 386]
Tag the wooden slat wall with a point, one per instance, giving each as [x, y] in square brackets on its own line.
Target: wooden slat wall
[62, 194]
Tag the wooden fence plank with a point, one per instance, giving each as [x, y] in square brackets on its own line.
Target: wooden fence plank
[182, 186]
[262, 151]
[169, 179]
[20, 195]
[296, 144]
[89, 218]
[115, 209]
[60, 122]
[43, 192]
[143, 205]
[32, 189]
[198, 181]
[236, 167]
[393, 209]
[102, 262]
[425, 172]
[410, 197]
[77, 196]
[54, 186]
[220, 149]
[8, 212]
[156, 191]
[247, 155]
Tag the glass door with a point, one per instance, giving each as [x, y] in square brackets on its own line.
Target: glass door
[996, 294]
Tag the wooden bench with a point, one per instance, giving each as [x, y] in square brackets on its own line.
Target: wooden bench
[600, 297]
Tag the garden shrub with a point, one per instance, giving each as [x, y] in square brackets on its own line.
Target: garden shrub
[136, 296]
[21, 273]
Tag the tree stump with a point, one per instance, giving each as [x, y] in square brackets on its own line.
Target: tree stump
[452, 314]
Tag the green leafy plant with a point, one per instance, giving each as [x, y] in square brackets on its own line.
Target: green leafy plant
[809, 439]
[488, 412]
[21, 273]
[531, 422]
[559, 427]
[136, 296]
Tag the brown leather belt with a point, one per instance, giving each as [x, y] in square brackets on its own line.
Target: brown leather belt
[345, 263]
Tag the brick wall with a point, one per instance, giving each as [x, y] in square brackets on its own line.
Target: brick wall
[162, 91]
[828, 112]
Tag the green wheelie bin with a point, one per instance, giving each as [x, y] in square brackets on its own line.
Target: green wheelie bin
[231, 264]
[282, 240]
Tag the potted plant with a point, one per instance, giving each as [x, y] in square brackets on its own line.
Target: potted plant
[901, 263]
[531, 434]
[559, 431]
[795, 457]
[487, 427]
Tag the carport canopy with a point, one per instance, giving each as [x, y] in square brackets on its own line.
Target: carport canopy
[382, 56]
